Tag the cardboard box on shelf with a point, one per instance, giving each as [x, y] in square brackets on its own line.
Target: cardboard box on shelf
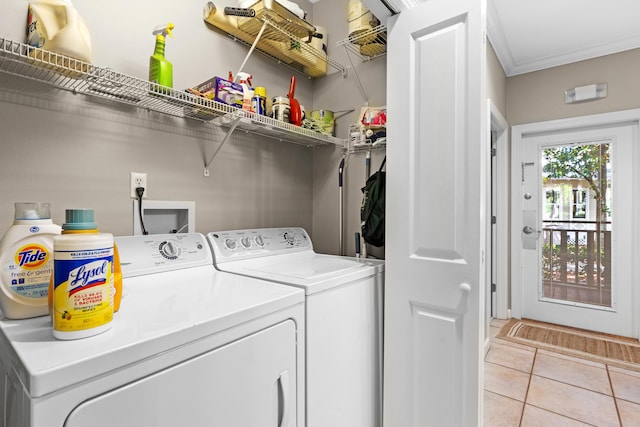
[221, 90]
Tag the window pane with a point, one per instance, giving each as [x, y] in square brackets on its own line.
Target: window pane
[577, 221]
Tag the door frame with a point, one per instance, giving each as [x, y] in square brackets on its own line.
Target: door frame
[500, 125]
[518, 133]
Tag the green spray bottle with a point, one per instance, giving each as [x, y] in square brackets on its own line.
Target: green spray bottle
[161, 70]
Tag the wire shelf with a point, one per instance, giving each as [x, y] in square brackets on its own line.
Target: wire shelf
[367, 44]
[285, 48]
[80, 77]
[368, 146]
[286, 38]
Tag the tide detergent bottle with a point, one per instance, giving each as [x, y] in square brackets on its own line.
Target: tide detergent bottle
[83, 278]
[161, 70]
[26, 261]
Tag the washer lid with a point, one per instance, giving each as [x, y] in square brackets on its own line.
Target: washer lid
[308, 270]
[313, 267]
[159, 313]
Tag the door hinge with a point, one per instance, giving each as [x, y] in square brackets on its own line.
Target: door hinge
[493, 219]
[493, 152]
[494, 287]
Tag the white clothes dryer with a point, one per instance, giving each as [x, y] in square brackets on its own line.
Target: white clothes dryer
[343, 317]
[190, 346]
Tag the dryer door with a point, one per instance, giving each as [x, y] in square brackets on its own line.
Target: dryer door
[251, 382]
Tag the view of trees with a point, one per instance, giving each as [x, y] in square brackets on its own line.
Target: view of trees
[587, 162]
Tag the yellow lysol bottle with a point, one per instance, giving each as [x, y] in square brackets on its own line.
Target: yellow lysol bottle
[81, 221]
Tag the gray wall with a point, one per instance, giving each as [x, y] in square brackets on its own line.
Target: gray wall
[338, 93]
[539, 96]
[496, 82]
[76, 151]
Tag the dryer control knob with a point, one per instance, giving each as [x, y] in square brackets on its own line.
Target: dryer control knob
[259, 241]
[245, 242]
[170, 250]
[230, 243]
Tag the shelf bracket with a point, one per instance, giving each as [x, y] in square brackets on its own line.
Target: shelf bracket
[224, 141]
[355, 73]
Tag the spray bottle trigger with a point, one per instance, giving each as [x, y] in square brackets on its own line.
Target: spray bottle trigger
[245, 78]
[164, 30]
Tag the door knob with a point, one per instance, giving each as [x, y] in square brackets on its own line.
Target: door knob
[527, 229]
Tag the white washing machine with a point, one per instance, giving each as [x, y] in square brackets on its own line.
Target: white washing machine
[190, 346]
[343, 317]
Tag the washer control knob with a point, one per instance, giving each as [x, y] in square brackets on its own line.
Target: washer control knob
[259, 241]
[230, 243]
[290, 238]
[245, 242]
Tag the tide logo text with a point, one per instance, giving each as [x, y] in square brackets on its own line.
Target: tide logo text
[31, 256]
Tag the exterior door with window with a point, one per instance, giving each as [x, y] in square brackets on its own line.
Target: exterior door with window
[574, 201]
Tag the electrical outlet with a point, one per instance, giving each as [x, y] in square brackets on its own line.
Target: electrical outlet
[138, 179]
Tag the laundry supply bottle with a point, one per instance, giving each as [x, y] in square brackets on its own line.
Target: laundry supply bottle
[259, 101]
[56, 26]
[247, 90]
[83, 278]
[26, 261]
[161, 70]
[81, 221]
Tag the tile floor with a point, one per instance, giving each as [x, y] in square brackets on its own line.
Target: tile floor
[525, 386]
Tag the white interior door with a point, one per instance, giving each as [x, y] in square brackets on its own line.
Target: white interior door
[575, 214]
[436, 228]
